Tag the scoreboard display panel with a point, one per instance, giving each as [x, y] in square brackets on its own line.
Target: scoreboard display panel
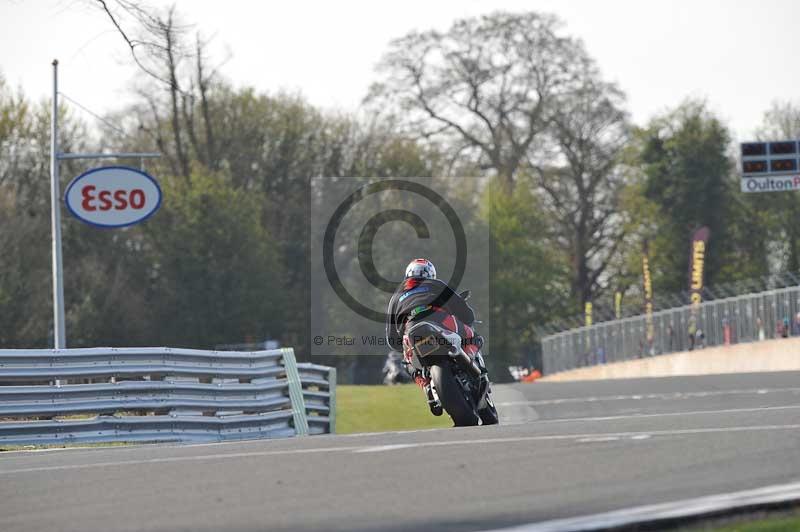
[782, 148]
[774, 158]
[754, 167]
[750, 149]
[782, 165]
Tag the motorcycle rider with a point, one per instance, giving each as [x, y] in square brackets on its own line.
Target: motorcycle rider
[421, 296]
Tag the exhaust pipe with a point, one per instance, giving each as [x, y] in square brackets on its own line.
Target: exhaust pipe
[468, 363]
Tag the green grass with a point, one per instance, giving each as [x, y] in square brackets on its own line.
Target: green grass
[776, 524]
[379, 408]
[4, 447]
[780, 523]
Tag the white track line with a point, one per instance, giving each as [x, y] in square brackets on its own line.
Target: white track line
[607, 436]
[670, 414]
[638, 435]
[638, 397]
[653, 513]
[171, 459]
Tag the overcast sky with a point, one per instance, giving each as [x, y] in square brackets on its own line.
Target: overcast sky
[740, 56]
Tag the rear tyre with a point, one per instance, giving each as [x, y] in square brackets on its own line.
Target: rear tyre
[489, 414]
[452, 397]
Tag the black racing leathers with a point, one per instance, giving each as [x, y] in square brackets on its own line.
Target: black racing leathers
[420, 298]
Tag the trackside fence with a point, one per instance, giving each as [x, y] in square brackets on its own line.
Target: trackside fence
[746, 318]
[158, 394]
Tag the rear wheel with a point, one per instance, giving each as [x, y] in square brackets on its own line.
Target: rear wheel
[489, 414]
[452, 397]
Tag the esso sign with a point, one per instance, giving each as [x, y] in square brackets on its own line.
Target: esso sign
[113, 196]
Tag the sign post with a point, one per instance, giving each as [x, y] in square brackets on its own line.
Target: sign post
[59, 329]
[59, 334]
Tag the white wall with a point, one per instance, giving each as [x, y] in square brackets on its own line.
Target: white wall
[770, 355]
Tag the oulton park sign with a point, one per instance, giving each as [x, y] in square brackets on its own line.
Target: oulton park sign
[771, 184]
[113, 196]
[771, 166]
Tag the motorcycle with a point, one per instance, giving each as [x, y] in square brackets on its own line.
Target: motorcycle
[453, 368]
[393, 372]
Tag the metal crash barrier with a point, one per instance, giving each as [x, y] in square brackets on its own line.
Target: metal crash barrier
[746, 318]
[158, 394]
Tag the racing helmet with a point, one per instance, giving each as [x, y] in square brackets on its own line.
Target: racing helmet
[421, 268]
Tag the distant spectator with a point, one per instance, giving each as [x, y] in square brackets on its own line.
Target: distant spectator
[762, 335]
[726, 331]
[700, 337]
[796, 325]
[671, 338]
[782, 328]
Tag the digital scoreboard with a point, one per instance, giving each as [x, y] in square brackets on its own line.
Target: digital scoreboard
[771, 166]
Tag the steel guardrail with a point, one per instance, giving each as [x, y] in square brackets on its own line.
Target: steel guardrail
[747, 318]
[160, 394]
[319, 394]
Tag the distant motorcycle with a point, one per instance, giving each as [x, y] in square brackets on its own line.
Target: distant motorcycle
[452, 363]
[393, 372]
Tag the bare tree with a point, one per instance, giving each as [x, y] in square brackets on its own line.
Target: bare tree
[204, 80]
[146, 35]
[487, 85]
[156, 40]
[782, 122]
[582, 181]
[511, 93]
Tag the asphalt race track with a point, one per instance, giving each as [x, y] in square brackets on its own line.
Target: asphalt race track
[566, 449]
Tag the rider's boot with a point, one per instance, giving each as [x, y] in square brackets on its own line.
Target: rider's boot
[433, 403]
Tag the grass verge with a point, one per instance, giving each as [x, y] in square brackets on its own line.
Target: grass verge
[781, 521]
[358, 409]
[379, 408]
[61, 446]
[775, 524]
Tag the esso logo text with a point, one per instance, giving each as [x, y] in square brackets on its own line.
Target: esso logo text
[113, 196]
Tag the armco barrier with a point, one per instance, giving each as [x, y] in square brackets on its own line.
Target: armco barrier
[319, 395]
[161, 394]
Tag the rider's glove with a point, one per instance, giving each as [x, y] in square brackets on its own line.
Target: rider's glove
[478, 340]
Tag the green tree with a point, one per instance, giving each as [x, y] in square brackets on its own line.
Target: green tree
[511, 95]
[781, 210]
[582, 181]
[26, 317]
[688, 176]
[24, 223]
[215, 272]
[528, 287]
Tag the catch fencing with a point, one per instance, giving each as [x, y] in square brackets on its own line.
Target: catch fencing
[158, 394]
[746, 318]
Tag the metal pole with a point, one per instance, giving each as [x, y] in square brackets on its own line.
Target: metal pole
[59, 333]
